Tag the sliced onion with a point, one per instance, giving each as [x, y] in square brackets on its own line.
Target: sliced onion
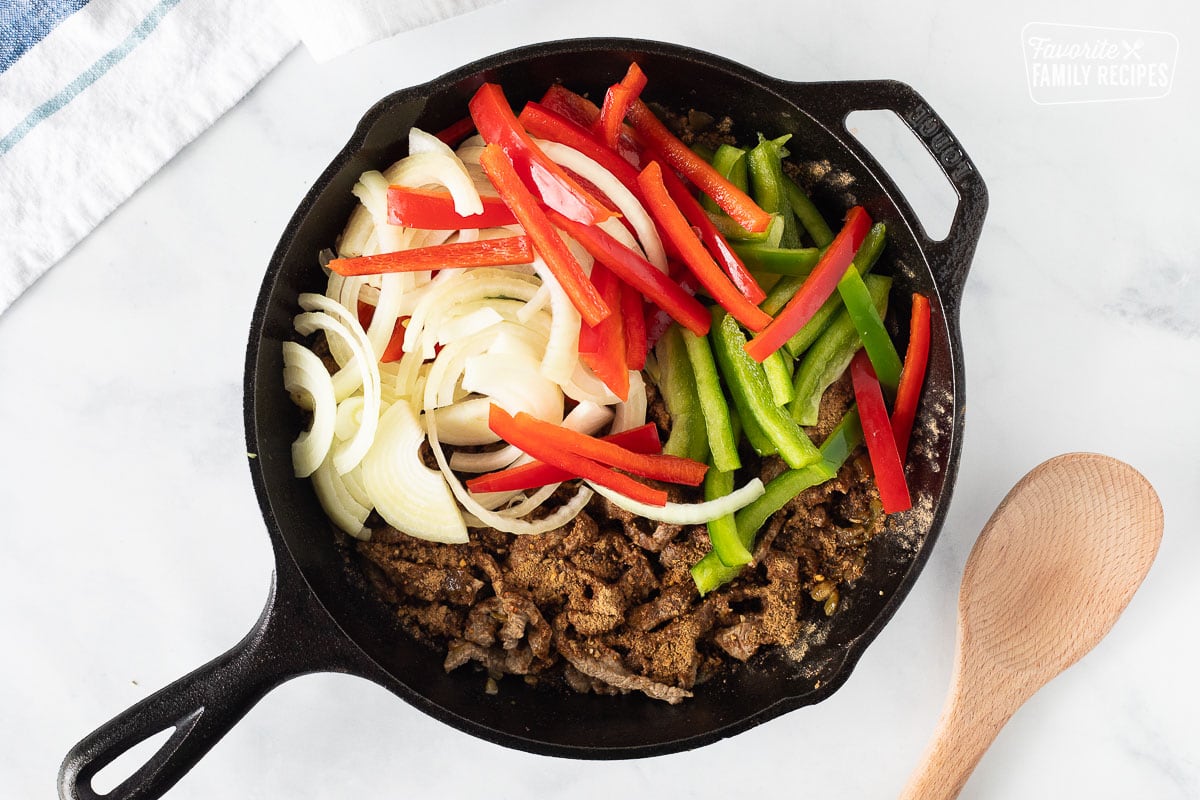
[460, 287]
[484, 460]
[353, 481]
[355, 235]
[687, 513]
[371, 189]
[349, 417]
[514, 383]
[408, 495]
[446, 369]
[464, 325]
[562, 351]
[465, 423]
[339, 322]
[631, 413]
[304, 372]
[584, 385]
[437, 169]
[586, 418]
[622, 198]
[339, 504]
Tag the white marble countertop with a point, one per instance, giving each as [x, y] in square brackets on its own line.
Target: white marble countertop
[135, 547]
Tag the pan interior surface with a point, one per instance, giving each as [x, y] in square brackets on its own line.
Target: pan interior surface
[549, 721]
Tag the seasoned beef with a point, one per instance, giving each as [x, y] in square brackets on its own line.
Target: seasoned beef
[606, 603]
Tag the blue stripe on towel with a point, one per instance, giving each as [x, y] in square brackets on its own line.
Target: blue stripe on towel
[89, 76]
[24, 23]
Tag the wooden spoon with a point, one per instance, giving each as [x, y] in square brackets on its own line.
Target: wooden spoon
[1053, 569]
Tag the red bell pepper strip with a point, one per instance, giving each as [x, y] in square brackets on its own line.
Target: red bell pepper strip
[658, 320]
[395, 346]
[498, 125]
[546, 241]
[484, 253]
[602, 347]
[639, 273]
[877, 431]
[633, 318]
[616, 104]
[817, 287]
[546, 124]
[672, 469]
[916, 358]
[729, 197]
[433, 210]
[717, 245]
[536, 474]
[584, 113]
[673, 224]
[521, 432]
[453, 134]
[575, 107]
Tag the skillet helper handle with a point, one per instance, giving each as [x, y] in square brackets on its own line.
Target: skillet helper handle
[831, 102]
[292, 637]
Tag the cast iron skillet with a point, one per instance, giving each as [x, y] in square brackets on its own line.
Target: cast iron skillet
[316, 619]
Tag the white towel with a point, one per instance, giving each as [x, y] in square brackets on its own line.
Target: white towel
[332, 27]
[95, 96]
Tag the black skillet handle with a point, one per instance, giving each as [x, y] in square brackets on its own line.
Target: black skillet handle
[294, 636]
[831, 102]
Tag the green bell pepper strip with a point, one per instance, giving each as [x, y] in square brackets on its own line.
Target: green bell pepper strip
[769, 187]
[797, 261]
[722, 531]
[864, 261]
[704, 151]
[677, 383]
[711, 572]
[713, 407]
[779, 377]
[869, 324]
[781, 292]
[733, 232]
[830, 354]
[747, 381]
[730, 161]
[739, 408]
[808, 214]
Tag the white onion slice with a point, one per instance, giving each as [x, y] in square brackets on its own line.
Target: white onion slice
[584, 385]
[465, 423]
[408, 495]
[515, 384]
[632, 413]
[461, 286]
[371, 189]
[338, 321]
[356, 234]
[562, 351]
[485, 460]
[339, 504]
[688, 513]
[304, 372]
[349, 417]
[586, 418]
[622, 198]
[425, 169]
[446, 368]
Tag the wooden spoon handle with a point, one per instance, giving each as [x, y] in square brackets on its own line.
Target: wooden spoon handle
[964, 733]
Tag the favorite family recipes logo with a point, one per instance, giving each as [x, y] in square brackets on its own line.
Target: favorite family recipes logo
[1082, 64]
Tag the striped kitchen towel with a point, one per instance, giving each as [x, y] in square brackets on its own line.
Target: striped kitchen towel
[96, 96]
